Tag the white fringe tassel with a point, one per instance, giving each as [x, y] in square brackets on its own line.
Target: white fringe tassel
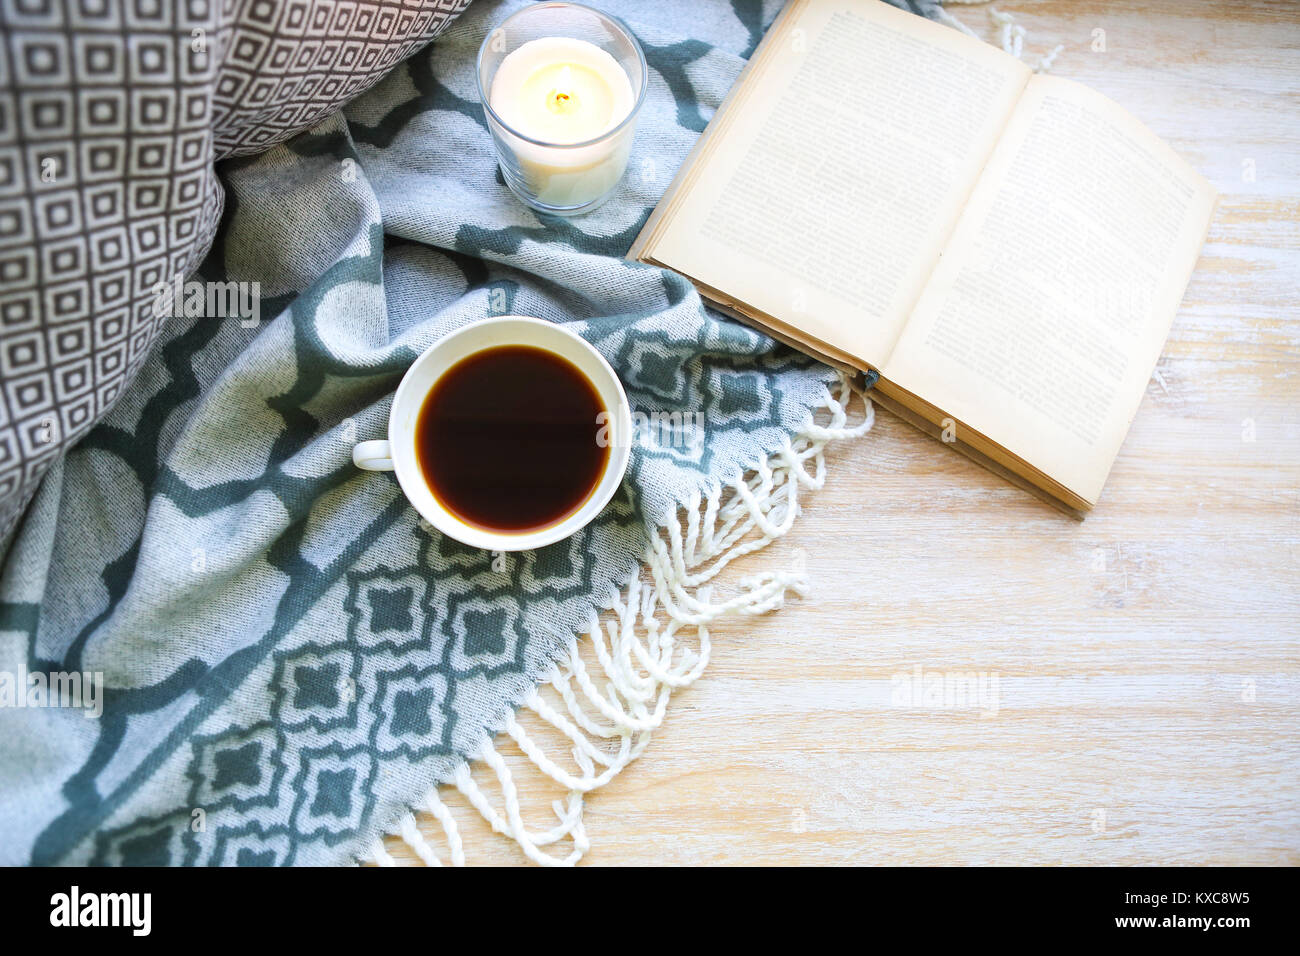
[642, 648]
[1011, 35]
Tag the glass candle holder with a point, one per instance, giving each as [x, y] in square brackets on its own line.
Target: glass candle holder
[560, 178]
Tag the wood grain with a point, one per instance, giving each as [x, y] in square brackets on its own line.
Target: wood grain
[1147, 660]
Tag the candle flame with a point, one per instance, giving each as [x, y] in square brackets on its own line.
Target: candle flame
[561, 99]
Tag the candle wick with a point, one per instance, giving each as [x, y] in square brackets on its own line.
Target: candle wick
[566, 78]
[560, 100]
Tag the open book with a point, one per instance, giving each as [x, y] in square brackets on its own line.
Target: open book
[1006, 250]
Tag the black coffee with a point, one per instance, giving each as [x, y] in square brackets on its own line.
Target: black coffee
[507, 439]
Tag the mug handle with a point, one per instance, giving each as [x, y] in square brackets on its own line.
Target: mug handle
[373, 455]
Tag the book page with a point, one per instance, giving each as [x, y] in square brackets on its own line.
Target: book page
[1042, 323]
[842, 168]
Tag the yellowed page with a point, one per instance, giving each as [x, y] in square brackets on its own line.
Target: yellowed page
[1043, 320]
[835, 187]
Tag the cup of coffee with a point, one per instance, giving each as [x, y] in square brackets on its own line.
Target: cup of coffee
[509, 434]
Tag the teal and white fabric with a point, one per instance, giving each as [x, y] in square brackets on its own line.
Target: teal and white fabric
[290, 661]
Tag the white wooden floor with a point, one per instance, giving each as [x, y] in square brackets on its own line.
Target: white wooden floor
[1147, 660]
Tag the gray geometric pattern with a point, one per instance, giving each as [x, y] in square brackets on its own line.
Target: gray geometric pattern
[285, 65]
[112, 113]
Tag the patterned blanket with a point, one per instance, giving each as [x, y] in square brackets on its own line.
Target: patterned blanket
[220, 643]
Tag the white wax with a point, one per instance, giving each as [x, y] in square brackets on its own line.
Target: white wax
[558, 91]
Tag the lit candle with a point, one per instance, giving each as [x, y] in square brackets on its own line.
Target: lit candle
[558, 92]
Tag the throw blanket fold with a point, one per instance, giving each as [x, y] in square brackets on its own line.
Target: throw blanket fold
[289, 659]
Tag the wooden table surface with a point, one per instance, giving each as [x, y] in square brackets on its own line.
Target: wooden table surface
[1147, 660]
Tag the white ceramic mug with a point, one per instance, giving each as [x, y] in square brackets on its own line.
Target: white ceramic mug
[397, 453]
